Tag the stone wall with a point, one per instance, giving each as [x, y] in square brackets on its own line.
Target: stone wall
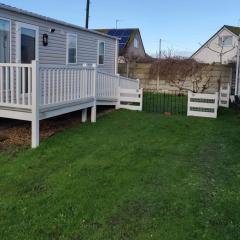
[219, 74]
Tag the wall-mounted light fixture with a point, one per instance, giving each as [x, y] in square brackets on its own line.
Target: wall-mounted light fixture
[45, 39]
[52, 30]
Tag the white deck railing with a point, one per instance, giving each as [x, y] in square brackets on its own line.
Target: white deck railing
[16, 85]
[34, 91]
[58, 84]
[61, 84]
[107, 85]
[128, 83]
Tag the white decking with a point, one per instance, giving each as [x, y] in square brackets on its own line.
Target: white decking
[34, 92]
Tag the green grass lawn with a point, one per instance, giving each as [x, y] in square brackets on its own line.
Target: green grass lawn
[131, 175]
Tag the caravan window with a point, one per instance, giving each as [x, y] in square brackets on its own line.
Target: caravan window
[72, 48]
[4, 41]
[28, 45]
[101, 52]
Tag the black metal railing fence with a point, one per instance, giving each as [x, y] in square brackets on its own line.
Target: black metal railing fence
[165, 101]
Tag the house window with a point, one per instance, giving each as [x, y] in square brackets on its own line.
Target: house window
[226, 41]
[4, 41]
[71, 48]
[101, 52]
[135, 43]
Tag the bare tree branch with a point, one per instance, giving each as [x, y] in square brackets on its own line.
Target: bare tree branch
[221, 52]
[184, 74]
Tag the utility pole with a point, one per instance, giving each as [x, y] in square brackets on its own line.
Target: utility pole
[87, 13]
[160, 49]
[117, 21]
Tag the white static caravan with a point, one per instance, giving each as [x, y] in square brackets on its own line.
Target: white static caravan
[49, 67]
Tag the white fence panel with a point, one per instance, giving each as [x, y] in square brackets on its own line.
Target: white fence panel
[202, 105]
[224, 96]
[130, 99]
[128, 83]
[16, 85]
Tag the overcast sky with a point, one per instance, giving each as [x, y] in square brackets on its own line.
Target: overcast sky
[182, 24]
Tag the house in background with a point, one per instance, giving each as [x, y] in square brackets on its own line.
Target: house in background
[222, 47]
[130, 43]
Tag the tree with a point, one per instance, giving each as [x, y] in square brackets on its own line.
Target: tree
[221, 51]
[184, 74]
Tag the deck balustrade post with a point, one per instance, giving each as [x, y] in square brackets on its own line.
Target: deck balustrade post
[118, 79]
[138, 83]
[141, 101]
[84, 115]
[94, 107]
[237, 78]
[84, 91]
[85, 82]
[118, 91]
[35, 103]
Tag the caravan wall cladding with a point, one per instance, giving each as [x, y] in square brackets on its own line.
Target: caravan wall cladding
[55, 52]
